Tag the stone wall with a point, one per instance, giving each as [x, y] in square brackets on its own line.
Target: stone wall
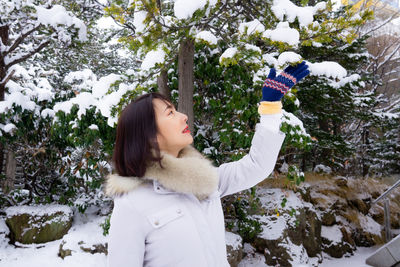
[329, 214]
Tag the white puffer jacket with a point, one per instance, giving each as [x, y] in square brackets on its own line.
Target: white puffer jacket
[173, 217]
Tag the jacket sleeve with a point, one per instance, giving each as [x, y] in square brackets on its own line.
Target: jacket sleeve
[126, 243]
[259, 163]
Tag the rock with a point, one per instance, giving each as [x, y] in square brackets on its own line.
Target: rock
[38, 224]
[341, 181]
[361, 205]
[347, 237]
[251, 257]
[333, 242]
[322, 169]
[328, 218]
[96, 248]
[305, 193]
[366, 239]
[377, 214]
[276, 244]
[234, 248]
[271, 240]
[375, 194]
[62, 253]
[307, 231]
[276, 254]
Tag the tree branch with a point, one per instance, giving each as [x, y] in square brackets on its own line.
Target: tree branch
[381, 25]
[7, 78]
[25, 57]
[19, 40]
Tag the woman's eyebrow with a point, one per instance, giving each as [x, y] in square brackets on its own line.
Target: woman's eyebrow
[168, 106]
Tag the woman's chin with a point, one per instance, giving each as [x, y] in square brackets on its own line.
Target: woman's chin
[189, 139]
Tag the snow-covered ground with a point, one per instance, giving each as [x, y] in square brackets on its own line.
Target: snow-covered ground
[87, 228]
[358, 259]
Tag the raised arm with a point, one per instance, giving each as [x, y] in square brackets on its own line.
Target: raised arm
[267, 141]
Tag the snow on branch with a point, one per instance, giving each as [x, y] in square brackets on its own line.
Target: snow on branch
[58, 15]
[21, 58]
[389, 57]
[20, 39]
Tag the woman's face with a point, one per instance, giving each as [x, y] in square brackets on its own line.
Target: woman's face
[173, 132]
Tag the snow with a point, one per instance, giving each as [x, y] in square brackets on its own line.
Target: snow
[38, 210]
[84, 101]
[251, 27]
[99, 98]
[294, 121]
[358, 259]
[86, 231]
[58, 15]
[20, 72]
[252, 257]
[84, 75]
[288, 57]
[297, 253]
[94, 127]
[18, 99]
[270, 59]
[138, 20]
[101, 87]
[207, 37]
[233, 240]
[322, 168]
[253, 48]
[43, 94]
[256, 259]
[345, 80]
[152, 58]
[327, 68]
[8, 128]
[332, 233]
[283, 33]
[286, 9]
[184, 9]
[229, 53]
[85, 228]
[47, 113]
[369, 224]
[272, 229]
[107, 23]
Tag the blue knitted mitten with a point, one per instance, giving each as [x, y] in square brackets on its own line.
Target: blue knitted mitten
[275, 87]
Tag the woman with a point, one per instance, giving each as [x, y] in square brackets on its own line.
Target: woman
[167, 207]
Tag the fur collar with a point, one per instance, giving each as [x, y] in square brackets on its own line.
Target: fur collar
[189, 173]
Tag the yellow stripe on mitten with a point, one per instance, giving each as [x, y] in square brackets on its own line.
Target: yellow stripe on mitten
[270, 107]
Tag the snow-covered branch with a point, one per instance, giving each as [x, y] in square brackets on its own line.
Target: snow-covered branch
[21, 58]
[19, 40]
[377, 27]
[7, 78]
[389, 57]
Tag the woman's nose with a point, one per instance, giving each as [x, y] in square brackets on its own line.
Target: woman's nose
[185, 117]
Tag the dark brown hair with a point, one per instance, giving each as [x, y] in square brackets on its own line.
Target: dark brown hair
[136, 141]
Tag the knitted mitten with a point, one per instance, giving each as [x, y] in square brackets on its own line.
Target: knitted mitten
[275, 87]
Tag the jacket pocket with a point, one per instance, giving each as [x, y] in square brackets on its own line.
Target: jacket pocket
[161, 218]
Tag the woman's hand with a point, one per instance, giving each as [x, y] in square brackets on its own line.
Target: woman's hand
[275, 87]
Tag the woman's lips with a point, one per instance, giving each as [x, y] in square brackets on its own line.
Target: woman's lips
[186, 130]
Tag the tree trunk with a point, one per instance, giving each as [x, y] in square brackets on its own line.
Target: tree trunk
[162, 82]
[11, 165]
[4, 37]
[365, 164]
[186, 80]
[326, 153]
